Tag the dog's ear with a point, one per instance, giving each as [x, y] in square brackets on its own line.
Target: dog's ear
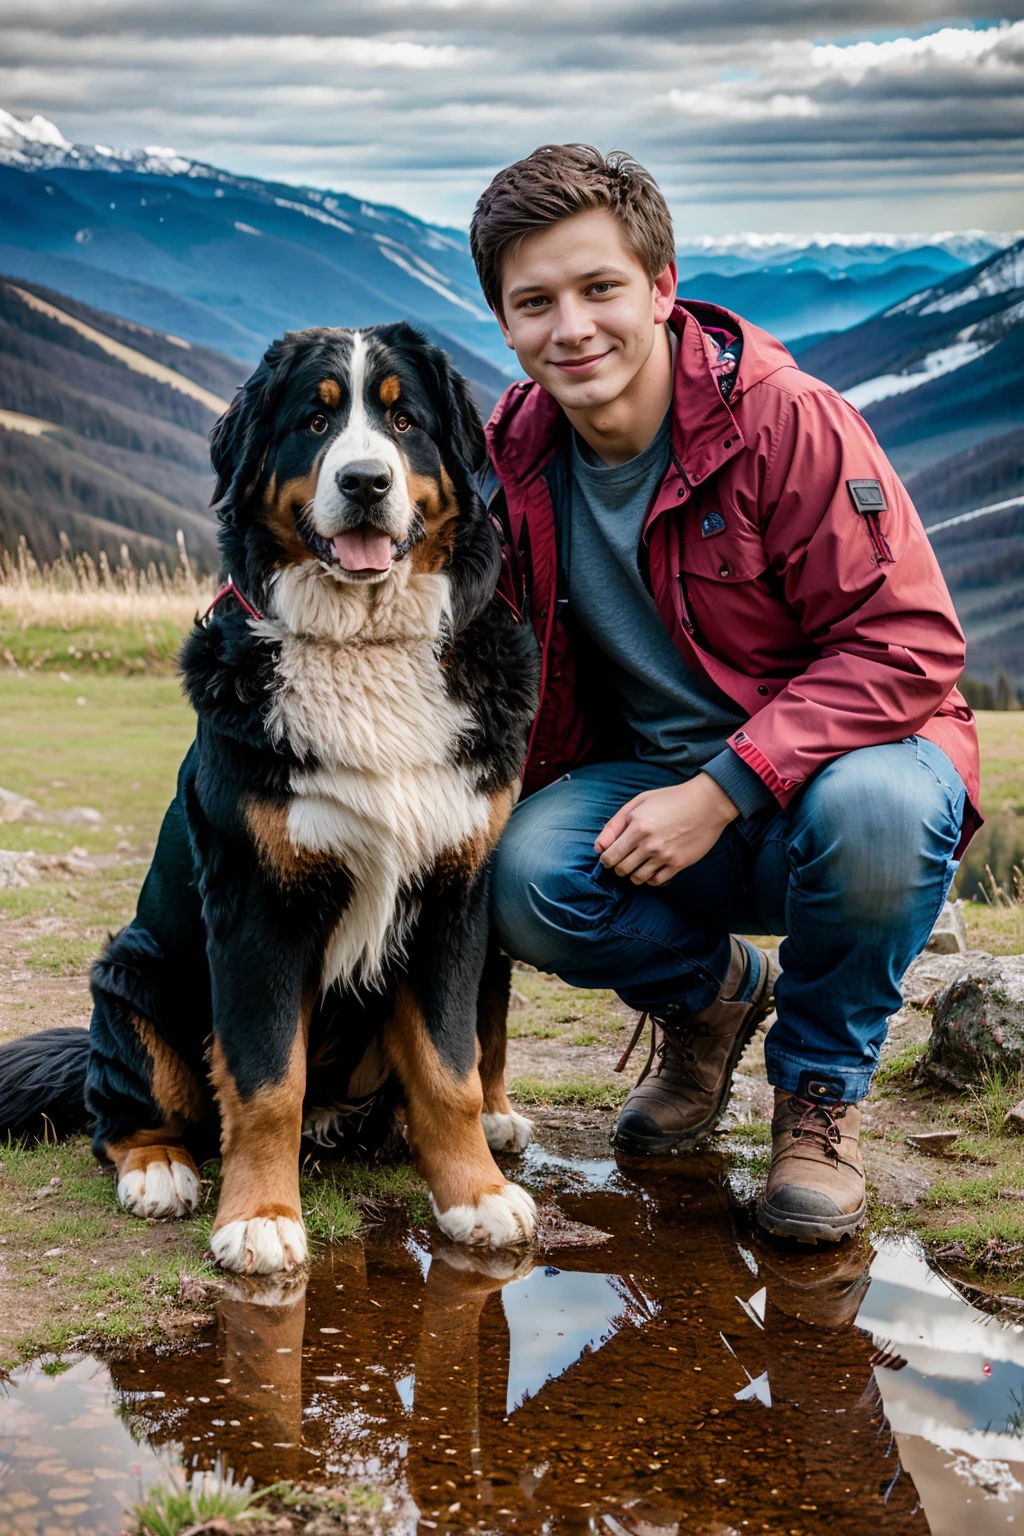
[467, 429]
[238, 441]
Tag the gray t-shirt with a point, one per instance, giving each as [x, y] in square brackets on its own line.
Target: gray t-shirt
[678, 719]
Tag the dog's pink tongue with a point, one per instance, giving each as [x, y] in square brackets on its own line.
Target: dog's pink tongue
[363, 550]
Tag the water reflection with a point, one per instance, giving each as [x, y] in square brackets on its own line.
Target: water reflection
[683, 1378]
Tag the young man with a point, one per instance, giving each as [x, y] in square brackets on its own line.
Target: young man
[748, 719]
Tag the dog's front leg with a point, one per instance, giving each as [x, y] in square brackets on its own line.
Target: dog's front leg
[432, 1043]
[261, 1009]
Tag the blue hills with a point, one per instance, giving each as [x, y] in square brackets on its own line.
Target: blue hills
[226, 261]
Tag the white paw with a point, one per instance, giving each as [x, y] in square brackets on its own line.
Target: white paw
[265, 1245]
[507, 1133]
[497, 1220]
[163, 1188]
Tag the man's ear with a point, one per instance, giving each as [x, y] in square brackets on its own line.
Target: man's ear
[666, 285]
[238, 440]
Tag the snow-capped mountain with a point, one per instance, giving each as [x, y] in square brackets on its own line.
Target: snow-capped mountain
[797, 286]
[940, 378]
[838, 252]
[229, 261]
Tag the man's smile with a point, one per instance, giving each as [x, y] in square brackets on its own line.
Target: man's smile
[580, 365]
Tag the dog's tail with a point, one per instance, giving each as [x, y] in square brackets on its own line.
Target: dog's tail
[42, 1084]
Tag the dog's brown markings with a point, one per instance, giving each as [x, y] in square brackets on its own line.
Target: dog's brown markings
[282, 505]
[466, 859]
[130, 1159]
[259, 1137]
[268, 827]
[177, 1094]
[442, 1113]
[390, 389]
[175, 1088]
[492, 1030]
[329, 391]
[435, 501]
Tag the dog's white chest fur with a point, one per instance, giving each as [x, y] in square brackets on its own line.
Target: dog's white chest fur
[360, 687]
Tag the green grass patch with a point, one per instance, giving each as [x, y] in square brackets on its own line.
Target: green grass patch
[129, 649]
[534, 1029]
[553, 1011]
[581, 1091]
[176, 1506]
[56, 954]
[898, 1071]
[119, 753]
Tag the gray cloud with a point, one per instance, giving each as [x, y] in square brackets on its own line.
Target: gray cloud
[754, 115]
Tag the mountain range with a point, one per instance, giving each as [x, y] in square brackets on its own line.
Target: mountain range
[135, 278]
[940, 378]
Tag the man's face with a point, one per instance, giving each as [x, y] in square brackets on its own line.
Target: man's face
[580, 312]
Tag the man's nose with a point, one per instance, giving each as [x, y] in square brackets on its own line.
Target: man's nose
[365, 482]
[572, 323]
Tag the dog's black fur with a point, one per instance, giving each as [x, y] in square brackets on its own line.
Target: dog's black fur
[223, 960]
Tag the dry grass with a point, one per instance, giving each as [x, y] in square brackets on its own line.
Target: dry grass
[78, 614]
[77, 591]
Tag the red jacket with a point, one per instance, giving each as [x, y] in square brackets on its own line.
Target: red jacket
[832, 629]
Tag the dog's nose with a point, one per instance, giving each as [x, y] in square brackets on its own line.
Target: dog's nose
[365, 482]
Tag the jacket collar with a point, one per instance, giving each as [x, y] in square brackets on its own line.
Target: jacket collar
[527, 424]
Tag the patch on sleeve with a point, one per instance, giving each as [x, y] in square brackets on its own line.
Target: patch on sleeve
[867, 496]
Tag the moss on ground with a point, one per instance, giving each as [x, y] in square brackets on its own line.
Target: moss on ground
[583, 1092]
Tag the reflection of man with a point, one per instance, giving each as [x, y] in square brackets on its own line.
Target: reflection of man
[748, 718]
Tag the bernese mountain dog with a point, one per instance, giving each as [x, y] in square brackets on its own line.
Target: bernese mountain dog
[310, 953]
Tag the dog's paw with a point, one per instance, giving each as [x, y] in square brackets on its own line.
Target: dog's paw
[159, 1182]
[263, 1245]
[507, 1133]
[498, 1220]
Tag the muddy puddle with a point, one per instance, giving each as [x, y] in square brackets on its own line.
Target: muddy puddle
[682, 1377]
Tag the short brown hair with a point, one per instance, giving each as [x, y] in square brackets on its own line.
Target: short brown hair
[556, 182]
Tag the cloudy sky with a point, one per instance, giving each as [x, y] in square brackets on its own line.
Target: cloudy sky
[802, 115]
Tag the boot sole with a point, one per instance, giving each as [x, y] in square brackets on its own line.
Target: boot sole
[648, 1146]
[810, 1229]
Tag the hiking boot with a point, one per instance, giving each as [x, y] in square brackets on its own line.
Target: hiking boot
[684, 1088]
[815, 1188]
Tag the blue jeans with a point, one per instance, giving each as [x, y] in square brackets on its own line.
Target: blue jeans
[854, 872]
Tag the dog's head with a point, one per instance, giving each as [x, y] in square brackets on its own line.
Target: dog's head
[353, 449]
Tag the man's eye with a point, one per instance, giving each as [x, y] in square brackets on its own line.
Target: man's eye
[401, 423]
[318, 424]
[600, 288]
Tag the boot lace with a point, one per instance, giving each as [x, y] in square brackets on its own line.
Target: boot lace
[672, 1039]
[819, 1122]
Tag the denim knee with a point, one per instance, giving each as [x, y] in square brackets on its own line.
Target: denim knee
[543, 904]
[877, 827]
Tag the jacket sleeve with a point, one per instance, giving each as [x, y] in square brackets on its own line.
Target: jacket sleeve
[868, 594]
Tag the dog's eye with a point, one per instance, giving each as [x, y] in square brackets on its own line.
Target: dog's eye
[318, 423]
[401, 423]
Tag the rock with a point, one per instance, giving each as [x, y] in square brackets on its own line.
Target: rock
[926, 976]
[517, 1000]
[938, 1143]
[977, 1024]
[15, 869]
[1014, 1118]
[949, 936]
[82, 816]
[17, 807]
